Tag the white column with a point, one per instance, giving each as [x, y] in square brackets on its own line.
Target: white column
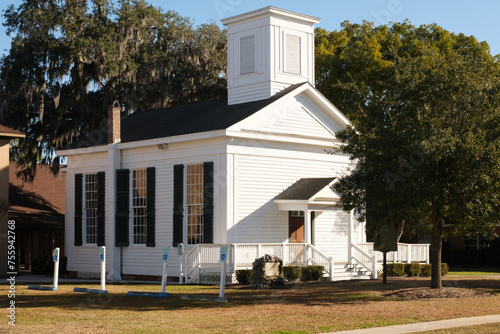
[307, 235]
[349, 237]
[114, 253]
[307, 226]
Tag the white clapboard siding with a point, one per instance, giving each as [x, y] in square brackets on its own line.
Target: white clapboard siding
[260, 179]
[141, 260]
[300, 122]
[330, 235]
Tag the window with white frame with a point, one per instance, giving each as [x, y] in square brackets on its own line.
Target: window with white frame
[139, 206]
[194, 202]
[90, 208]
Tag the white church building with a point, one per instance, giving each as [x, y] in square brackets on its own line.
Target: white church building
[253, 171]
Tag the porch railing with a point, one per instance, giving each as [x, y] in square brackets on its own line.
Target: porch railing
[241, 256]
[406, 253]
[363, 258]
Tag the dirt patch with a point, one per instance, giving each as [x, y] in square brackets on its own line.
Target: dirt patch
[424, 292]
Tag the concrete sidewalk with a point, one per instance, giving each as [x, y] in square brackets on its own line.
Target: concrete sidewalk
[428, 326]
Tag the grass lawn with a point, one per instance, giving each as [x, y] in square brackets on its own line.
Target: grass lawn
[309, 307]
[474, 271]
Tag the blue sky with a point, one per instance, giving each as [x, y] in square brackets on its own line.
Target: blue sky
[476, 18]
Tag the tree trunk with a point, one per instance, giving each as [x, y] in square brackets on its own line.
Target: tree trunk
[436, 246]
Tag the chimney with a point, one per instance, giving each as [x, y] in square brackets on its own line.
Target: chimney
[268, 50]
[114, 115]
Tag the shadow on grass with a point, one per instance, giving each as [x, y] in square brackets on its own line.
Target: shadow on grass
[303, 294]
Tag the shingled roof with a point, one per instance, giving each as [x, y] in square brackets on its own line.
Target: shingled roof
[6, 132]
[39, 204]
[305, 188]
[181, 120]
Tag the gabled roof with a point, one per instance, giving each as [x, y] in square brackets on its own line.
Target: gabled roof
[6, 132]
[305, 189]
[181, 120]
[40, 204]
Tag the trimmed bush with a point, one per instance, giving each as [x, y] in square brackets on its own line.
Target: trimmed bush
[412, 269]
[395, 269]
[42, 265]
[244, 276]
[291, 273]
[425, 270]
[312, 273]
[444, 268]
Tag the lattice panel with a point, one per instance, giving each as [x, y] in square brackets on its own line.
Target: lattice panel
[214, 278]
[88, 275]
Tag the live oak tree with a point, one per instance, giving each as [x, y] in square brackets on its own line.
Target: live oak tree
[70, 59]
[425, 107]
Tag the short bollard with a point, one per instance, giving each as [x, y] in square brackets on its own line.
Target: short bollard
[102, 259]
[162, 294]
[55, 258]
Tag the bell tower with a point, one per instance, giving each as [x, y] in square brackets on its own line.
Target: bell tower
[269, 49]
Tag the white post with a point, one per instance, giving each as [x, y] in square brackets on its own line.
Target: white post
[222, 280]
[374, 262]
[331, 271]
[305, 254]
[102, 258]
[186, 271]
[56, 267]
[165, 256]
[233, 258]
[427, 255]
[283, 250]
[349, 239]
[180, 270]
[408, 256]
[223, 259]
[164, 277]
[259, 251]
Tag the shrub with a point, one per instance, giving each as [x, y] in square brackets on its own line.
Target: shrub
[291, 273]
[42, 265]
[244, 276]
[412, 269]
[425, 270]
[395, 269]
[444, 269]
[312, 273]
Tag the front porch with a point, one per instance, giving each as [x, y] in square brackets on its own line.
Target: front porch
[201, 265]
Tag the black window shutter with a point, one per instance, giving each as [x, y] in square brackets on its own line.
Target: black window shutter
[122, 208]
[101, 207]
[150, 207]
[78, 210]
[178, 204]
[208, 202]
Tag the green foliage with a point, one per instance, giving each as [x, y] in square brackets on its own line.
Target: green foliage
[412, 269]
[444, 269]
[425, 108]
[395, 269]
[244, 276]
[69, 60]
[312, 273]
[292, 273]
[426, 270]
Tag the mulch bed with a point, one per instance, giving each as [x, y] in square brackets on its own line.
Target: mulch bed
[445, 292]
